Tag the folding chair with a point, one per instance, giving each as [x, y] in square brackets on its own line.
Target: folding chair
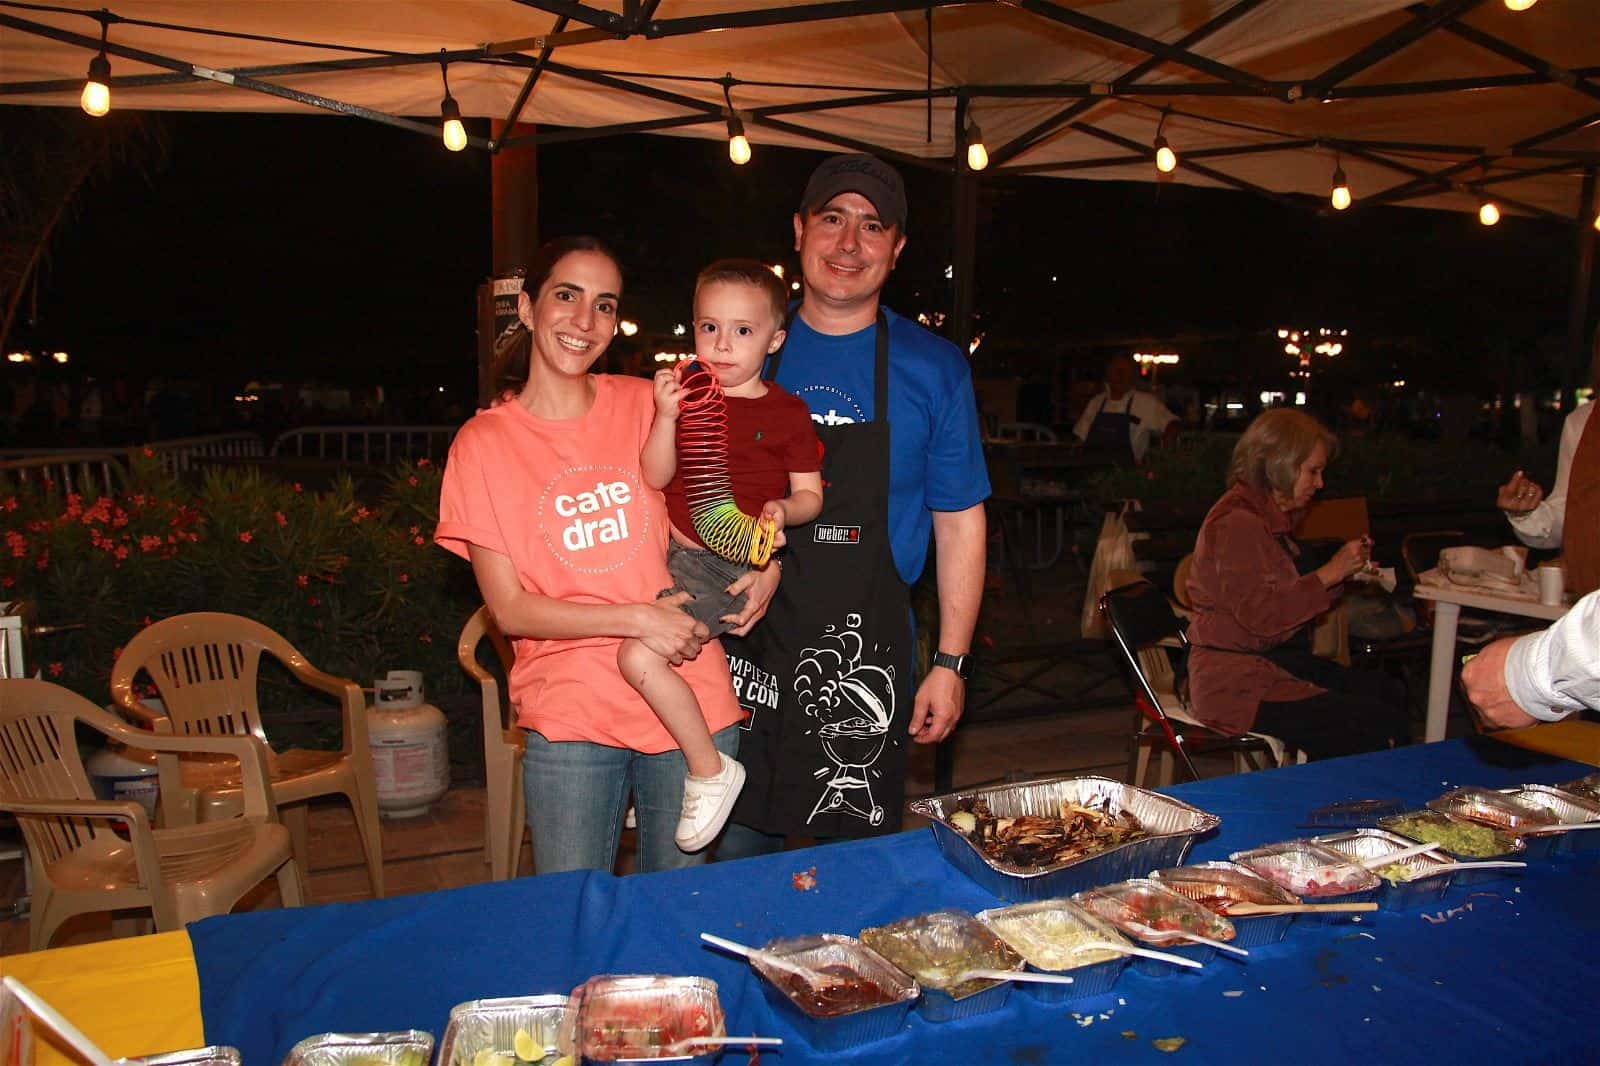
[1144, 626]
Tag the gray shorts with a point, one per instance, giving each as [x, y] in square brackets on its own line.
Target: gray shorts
[705, 576]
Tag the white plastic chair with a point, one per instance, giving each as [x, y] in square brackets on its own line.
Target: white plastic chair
[79, 862]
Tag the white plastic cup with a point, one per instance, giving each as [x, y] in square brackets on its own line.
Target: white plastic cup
[1552, 584]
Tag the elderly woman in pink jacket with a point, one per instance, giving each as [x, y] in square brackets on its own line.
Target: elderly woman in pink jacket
[1251, 667]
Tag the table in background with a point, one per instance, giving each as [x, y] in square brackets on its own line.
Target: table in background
[1447, 604]
[1469, 987]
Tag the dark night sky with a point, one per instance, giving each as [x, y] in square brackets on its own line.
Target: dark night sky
[286, 246]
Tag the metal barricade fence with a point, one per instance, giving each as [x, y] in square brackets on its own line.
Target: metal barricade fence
[366, 444]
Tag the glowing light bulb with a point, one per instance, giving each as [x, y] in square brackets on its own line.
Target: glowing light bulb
[1488, 213]
[1597, 222]
[96, 98]
[455, 134]
[739, 149]
[1166, 158]
[1340, 197]
[977, 154]
[1520, 5]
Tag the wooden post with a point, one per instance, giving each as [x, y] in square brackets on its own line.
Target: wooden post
[514, 184]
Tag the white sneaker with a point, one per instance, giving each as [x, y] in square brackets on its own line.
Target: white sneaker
[707, 802]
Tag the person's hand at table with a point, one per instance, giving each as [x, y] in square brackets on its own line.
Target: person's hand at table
[760, 585]
[940, 700]
[1519, 495]
[1351, 558]
[669, 632]
[1484, 680]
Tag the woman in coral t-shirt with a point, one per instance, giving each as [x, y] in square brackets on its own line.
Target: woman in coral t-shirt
[542, 493]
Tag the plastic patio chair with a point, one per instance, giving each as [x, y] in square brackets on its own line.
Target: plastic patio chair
[1143, 625]
[80, 863]
[503, 745]
[204, 667]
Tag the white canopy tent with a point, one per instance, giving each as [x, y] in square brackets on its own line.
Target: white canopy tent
[1440, 104]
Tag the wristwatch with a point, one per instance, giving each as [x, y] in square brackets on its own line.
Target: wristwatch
[961, 664]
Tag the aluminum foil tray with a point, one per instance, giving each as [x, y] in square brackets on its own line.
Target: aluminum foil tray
[492, 1025]
[1423, 888]
[1042, 931]
[1217, 883]
[933, 947]
[1498, 811]
[205, 1056]
[1293, 862]
[1565, 807]
[410, 1047]
[637, 1018]
[831, 953]
[1586, 787]
[1132, 905]
[1172, 824]
[1425, 826]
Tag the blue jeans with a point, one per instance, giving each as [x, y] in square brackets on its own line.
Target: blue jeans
[577, 793]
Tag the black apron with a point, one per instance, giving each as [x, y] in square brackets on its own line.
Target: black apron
[1110, 434]
[826, 676]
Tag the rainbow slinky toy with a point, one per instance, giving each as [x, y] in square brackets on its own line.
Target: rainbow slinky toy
[703, 463]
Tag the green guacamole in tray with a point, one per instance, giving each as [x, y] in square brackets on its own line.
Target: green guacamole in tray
[1464, 839]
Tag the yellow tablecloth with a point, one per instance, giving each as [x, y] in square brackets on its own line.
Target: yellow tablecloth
[1575, 740]
[136, 996]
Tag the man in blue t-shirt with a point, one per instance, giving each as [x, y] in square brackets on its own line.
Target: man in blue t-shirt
[827, 674]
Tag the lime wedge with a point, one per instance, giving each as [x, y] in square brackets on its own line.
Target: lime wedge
[527, 1049]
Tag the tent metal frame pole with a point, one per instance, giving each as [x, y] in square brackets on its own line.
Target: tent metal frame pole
[1423, 186]
[1423, 23]
[1562, 76]
[1583, 365]
[1387, 90]
[527, 86]
[647, 125]
[1128, 160]
[793, 14]
[851, 143]
[964, 233]
[610, 21]
[1149, 153]
[1039, 132]
[236, 81]
[1171, 53]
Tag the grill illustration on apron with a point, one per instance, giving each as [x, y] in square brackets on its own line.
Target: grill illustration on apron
[853, 703]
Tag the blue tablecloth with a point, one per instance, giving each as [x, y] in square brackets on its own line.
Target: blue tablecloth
[1512, 979]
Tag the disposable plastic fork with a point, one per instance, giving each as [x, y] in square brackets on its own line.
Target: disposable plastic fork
[1565, 827]
[810, 977]
[1143, 953]
[1219, 945]
[1024, 976]
[1489, 865]
[1390, 857]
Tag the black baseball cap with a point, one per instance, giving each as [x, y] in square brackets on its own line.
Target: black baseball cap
[858, 173]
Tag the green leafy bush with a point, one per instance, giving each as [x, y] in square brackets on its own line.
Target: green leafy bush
[357, 586]
[1384, 467]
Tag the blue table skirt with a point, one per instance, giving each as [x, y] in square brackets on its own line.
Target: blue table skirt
[1513, 978]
